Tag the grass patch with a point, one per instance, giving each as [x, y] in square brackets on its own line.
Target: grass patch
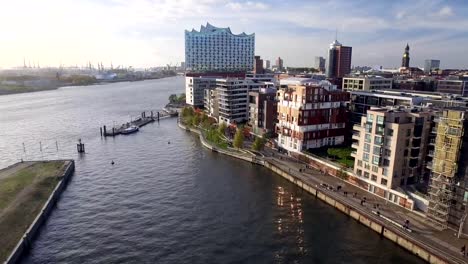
[22, 195]
[341, 155]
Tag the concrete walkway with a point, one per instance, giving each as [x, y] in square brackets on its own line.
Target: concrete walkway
[442, 241]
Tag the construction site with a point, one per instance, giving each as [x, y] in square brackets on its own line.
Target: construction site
[448, 189]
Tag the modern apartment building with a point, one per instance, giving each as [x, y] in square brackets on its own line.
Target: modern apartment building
[339, 60]
[311, 115]
[263, 110]
[448, 192]
[214, 49]
[211, 103]
[458, 87]
[391, 146]
[366, 83]
[232, 96]
[267, 64]
[195, 88]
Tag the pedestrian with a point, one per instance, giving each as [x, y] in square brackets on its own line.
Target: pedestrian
[463, 250]
[362, 202]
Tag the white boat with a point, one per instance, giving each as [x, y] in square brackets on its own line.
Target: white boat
[130, 130]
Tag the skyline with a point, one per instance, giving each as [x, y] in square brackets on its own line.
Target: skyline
[147, 33]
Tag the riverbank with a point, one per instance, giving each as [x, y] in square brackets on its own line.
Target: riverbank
[422, 240]
[17, 89]
[27, 192]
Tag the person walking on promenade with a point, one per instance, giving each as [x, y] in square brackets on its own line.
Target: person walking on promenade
[463, 250]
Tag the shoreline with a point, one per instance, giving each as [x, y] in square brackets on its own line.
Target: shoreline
[26, 89]
[43, 208]
[431, 253]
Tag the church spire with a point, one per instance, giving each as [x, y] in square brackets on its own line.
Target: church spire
[406, 58]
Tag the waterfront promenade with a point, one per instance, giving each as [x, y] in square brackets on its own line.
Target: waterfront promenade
[442, 245]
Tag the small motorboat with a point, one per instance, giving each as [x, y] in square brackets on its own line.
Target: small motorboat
[130, 130]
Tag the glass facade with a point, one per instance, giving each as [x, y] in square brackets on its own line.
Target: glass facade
[218, 50]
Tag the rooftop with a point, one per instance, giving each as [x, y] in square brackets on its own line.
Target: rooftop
[211, 30]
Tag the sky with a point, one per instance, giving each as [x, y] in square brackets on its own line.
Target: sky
[144, 33]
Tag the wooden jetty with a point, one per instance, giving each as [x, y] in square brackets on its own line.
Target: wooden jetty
[139, 122]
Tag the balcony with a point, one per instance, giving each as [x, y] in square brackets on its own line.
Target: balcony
[353, 154]
[429, 165]
[356, 136]
[432, 142]
[430, 153]
[355, 146]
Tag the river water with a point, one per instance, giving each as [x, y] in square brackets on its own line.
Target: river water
[167, 199]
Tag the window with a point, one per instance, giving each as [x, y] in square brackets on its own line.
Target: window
[359, 163]
[365, 157]
[375, 168]
[407, 143]
[366, 175]
[408, 132]
[359, 172]
[368, 128]
[378, 140]
[366, 166]
[370, 118]
[380, 120]
[368, 138]
[385, 171]
[374, 178]
[367, 147]
[376, 150]
[383, 181]
[375, 160]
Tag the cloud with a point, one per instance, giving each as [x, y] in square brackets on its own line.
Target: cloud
[249, 6]
[151, 32]
[445, 11]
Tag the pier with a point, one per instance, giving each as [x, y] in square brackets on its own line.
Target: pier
[141, 121]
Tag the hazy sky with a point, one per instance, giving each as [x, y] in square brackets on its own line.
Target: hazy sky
[151, 32]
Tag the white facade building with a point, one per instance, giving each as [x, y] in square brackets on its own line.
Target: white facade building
[195, 87]
[218, 50]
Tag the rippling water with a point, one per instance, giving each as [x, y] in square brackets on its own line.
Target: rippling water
[168, 203]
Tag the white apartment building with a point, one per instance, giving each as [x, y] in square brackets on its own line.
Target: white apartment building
[195, 87]
[232, 95]
[366, 83]
[214, 49]
[391, 147]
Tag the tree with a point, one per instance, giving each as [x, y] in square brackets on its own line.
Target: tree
[173, 98]
[196, 120]
[181, 98]
[258, 144]
[222, 128]
[239, 139]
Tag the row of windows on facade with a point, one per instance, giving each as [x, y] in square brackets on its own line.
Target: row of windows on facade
[190, 40]
[372, 177]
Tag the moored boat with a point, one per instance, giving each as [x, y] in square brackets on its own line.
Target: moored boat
[130, 130]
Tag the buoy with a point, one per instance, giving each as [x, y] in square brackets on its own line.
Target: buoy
[112, 163]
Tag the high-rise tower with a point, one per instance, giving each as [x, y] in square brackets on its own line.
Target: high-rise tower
[406, 58]
[339, 60]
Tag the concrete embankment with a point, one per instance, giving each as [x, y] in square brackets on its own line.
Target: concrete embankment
[425, 251]
[26, 240]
